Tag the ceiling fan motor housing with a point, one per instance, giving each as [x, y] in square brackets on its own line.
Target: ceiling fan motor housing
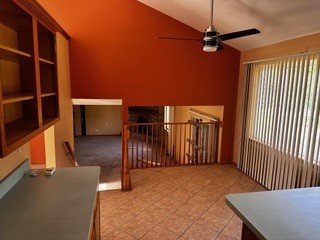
[210, 40]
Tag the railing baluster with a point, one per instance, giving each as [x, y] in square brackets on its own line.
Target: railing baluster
[184, 144]
[161, 145]
[157, 136]
[180, 139]
[147, 143]
[142, 133]
[217, 125]
[137, 146]
[202, 143]
[173, 137]
[152, 147]
[211, 150]
[169, 144]
[169, 141]
[131, 145]
[189, 147]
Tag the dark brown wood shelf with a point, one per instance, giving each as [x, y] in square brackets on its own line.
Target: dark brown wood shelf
[50, 120]
[46, 61]
[16, 97]
[12, 54]
[18, 129]
[48, 94]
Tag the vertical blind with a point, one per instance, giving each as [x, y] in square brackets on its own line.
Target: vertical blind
[280, 135]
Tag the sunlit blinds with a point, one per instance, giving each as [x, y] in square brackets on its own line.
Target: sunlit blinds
[280, 122]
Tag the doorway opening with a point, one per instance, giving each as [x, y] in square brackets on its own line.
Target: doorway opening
[97, 138]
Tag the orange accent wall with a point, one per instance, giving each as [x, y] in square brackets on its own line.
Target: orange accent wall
[115, 53]
[37, 150]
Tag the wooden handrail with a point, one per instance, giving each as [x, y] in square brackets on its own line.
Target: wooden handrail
[71, 154]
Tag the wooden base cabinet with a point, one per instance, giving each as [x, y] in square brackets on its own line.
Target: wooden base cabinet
[28, 74]
[95, 226]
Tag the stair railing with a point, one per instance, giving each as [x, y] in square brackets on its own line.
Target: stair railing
[71, 154]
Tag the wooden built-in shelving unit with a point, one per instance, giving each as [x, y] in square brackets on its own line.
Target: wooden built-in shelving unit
[28, 74]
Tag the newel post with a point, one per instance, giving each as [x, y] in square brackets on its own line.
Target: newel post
[125, 171]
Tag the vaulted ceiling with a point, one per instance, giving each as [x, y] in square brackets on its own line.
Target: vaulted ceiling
[278, 20]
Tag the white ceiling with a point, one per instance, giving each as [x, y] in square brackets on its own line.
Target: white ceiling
[278, 20]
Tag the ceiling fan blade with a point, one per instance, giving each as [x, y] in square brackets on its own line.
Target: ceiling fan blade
[238, 34]
[176, 38]
[220, 47]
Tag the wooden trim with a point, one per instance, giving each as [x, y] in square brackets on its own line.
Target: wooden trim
[35, 9]
[56, 75]
[95, 229]
[125, 174]
[2, 122]
[247, 234]
[37, 70]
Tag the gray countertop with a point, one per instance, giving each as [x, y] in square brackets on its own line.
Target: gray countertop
[50, 207]
[280, 215]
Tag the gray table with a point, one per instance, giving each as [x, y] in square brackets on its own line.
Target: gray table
[54, 207]
[278, 215]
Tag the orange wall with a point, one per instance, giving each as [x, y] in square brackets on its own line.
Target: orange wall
[115, 53]
[37, 149]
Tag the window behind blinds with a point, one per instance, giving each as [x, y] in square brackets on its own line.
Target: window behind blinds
[280, 134]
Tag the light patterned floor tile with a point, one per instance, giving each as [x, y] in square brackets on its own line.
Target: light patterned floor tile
[169, 203]
[176, 224]
[137, 227]
[159, 233]
[233, 229]
[117, 235]
[190, 210]
[213, 221]
[117, 217]
[224, 237]
[154, 214]
[135, 206]
[198, 231]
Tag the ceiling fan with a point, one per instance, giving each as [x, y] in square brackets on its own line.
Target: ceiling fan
[212, 38]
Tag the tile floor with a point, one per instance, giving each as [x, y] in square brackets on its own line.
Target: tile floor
[185, 203]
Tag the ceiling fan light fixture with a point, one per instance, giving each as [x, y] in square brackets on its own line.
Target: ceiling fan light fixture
[209, 48]
[210, 44]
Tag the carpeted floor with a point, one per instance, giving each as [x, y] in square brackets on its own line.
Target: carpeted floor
[103, 151]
